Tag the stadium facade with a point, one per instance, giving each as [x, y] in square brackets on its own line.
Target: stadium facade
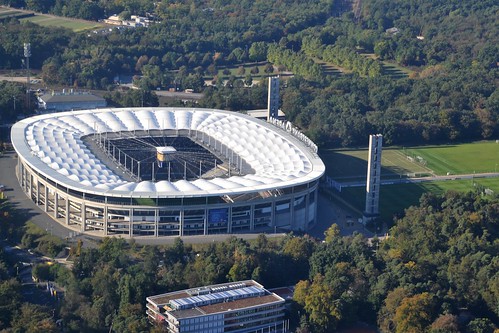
[166, 172]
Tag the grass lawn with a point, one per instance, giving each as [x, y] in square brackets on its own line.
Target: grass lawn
[391, 69]
[395, 198]
[72, 24]
[465, 158]
[49, 20]
[4, 13]
[394, 71]
[331, 69]
[478, 157]
[352, 164]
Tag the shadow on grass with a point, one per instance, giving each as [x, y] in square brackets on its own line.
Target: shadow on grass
[394, 199]
[345, 167]
[394, 73]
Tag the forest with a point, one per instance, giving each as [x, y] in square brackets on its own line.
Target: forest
[437, 272]
[449, 50]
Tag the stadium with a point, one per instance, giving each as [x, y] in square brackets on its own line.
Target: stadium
[159, 172]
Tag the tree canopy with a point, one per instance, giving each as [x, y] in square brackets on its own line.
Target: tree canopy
[449, 49]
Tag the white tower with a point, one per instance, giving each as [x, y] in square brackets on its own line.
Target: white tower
[373, 177]
[273, 98]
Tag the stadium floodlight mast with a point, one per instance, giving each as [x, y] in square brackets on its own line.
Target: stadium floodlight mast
[27, 54]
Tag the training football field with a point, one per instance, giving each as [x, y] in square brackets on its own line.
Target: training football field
[345, 164]
[469, 158]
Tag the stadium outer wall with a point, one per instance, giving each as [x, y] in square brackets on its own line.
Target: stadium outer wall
[282, 208]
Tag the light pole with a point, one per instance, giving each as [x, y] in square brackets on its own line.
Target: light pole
[27, 54]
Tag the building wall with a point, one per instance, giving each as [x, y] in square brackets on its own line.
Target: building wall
[294, 209]
[260, 316]
[208, 324]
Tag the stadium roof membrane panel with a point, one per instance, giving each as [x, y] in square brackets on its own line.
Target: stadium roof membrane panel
[52, 144]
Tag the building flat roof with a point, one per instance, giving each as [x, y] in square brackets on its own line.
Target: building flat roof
[52, 145]
[70, 97]
[163, 299]
[188, 313]
[241, 304]
[184, 296]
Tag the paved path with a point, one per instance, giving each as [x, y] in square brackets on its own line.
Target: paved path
[28, 210]
[328, 213]
[21, 79]
[423, 179]
[179, 95]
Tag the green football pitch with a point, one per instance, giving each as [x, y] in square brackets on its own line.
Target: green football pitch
[352, 164]
[72, 24]
[477, 157]
[469, 158]
[49, 20]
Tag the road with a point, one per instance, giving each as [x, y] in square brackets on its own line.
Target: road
[28, 210]
[179, 95]
[163, 93]
[328, 213]
[424, 179]
[21, 79]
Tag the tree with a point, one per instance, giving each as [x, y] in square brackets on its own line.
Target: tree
[241, 70]
[10, 300]
[332, 232]
[258, 51]
[212, 69]
[445, 324]
[42, 272]
[154, 76]
[33, 318]
[386, 315]
[301, 292]
[194, 81]
[323, 308]
[131, 319]
[255, 70]
[237, 55]
[243, 267]
[414, 314]
[12, 95]
[141, 62]
[383, 49]
[269, 68]
[480, 325]
[50, 73]
[248, 80]
[299, 248]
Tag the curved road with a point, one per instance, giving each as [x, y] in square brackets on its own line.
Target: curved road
[328, 213]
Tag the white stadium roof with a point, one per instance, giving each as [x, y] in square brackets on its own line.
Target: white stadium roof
[52, 145]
